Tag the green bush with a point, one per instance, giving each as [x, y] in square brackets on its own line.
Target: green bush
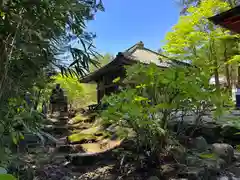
[153, 96]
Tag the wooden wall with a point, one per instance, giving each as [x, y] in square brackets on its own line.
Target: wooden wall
[105, 85]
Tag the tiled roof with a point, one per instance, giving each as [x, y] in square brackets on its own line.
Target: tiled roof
[136, 53]
[144, 55]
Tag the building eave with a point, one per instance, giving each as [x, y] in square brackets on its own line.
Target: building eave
[129, 57]
[229, 19]
[94, 76]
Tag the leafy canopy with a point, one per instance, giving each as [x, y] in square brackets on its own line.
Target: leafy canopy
[198, 40]
[70, 85]
[32, 38]
[193, 31]
[35, 35]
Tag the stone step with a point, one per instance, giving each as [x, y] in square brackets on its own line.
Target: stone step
[53, 129]
[94, 152]
[79, 159]
[65, 149]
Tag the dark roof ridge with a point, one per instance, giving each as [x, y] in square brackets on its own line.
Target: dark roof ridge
[127, 54]
[134, 47]
[223, 15]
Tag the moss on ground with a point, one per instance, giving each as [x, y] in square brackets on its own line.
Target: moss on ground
[92, 130]
[80, 137]
[78, 118]
[91, 133]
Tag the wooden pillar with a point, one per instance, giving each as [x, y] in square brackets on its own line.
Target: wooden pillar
[103, 85]
[98, 93]
[100, 90]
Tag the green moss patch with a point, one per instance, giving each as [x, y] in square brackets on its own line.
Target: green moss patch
[92, 134]
[92, 130]
[78, 118]
[81, 138]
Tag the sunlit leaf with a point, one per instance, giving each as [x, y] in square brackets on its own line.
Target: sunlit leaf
[141, 86]
[14, 140]
[140, 98]
[207, 156]
[21, 136]
[116, 80]
[2, 14]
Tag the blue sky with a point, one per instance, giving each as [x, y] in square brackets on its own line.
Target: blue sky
[125, 22]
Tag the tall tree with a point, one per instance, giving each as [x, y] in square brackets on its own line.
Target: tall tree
[230, 70]
[31, 34]
[195, 38]
[187, 3]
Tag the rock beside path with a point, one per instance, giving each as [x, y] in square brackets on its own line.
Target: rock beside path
[224, 151]
[213, 131]
[200, 144]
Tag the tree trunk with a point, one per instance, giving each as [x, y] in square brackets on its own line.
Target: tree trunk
[227, 73]
[214, 59]
[238, 76]
[216, 76]
[229, 84]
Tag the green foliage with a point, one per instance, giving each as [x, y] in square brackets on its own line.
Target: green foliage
[157, 95]
[188, 3]
[238, 148]
[79, 95]
[126, 111]
[194, 31]
[71, 86]
[80, 137]
[208, 156]
[207, 46]
[89, 95]
[36, 34]
[34, 38]
[5, 155]
[116, 80]
[29, 120]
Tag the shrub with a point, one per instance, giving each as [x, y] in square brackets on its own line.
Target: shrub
[153, 97]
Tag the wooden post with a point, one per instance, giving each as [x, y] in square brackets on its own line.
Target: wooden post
[100, 90]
